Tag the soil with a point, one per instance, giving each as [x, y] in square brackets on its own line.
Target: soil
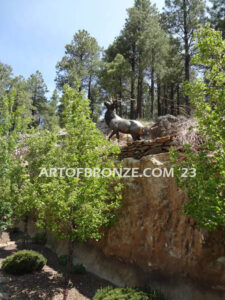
[47, 284]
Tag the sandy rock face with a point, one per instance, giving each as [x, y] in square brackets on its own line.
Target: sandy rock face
[153, 234]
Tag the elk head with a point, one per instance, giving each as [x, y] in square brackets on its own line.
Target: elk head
[111, 104]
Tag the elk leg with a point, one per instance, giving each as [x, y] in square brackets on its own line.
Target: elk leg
[134, 137]
[111, 135]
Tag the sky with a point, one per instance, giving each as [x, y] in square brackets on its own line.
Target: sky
[33, 33]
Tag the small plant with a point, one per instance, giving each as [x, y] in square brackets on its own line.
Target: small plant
[153, 293]
[62, 260]
[39, 238]
[78, 269]
[111, 293]
[23, 262]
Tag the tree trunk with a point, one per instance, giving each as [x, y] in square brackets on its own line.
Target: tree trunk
[121, 97]
[140, 95]
[159, 97]
[90, 96]
[172, 99]
[152, 90]
[68, 269]
[165, 102]
[187, 54]
[132, 92]
[25, 236]
[178, 99]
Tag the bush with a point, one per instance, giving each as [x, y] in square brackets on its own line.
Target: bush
[22, 262]
[62, 260]
[40, 238]
[78, 269]
[110, 293]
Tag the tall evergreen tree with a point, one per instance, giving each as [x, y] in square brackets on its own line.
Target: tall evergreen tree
[81, 62]
[155, 54]
[51, 117]
[182, 18]
[38, 90]
[217, 15]
[5, 79]
[114, 78]
[23, 97]
[132, 44]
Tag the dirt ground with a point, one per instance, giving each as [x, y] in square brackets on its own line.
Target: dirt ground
[47, 284]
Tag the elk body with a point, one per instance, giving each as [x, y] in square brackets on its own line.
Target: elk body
[118, 124]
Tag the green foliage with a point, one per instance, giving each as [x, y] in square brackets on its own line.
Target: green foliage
[6, 79]
[176, 12]
[62, 260]
[51, 118]
[80, 63]
[23, 262]
[39, 238]
[73, 208]
[11, 125]
[78, 269]
[23, 97]
[38, 90]
[111, 293]
[217, 15]
[206, 191]
[114, 76]
[5, 215]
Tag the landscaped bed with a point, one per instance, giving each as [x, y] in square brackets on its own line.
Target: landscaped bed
[47, 284]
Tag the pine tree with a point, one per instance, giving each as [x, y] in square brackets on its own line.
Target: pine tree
[217, 15]
[182, 19]
[23, 98]
[38, 90]
[81, 62]
[114, 78]
[51, 117]
[5, 79]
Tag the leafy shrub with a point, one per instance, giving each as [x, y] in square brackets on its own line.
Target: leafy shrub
[24, 261]
[78, 269]
[40, 238]
[205, 181]
[153, 294]
[62, 260]
[110, 293]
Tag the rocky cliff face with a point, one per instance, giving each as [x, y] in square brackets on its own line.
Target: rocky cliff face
[152, 233]
[153, 242]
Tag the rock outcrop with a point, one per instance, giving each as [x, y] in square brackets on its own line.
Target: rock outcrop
[153, 234]
[138, 149]
[153, 243]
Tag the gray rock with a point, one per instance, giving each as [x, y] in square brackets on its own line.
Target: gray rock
[4, 296]
[221, 260]
[3, 280]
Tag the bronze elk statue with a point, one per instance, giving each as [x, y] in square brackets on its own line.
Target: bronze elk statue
[118, 124]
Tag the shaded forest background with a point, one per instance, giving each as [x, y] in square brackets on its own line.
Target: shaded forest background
[144, 67]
